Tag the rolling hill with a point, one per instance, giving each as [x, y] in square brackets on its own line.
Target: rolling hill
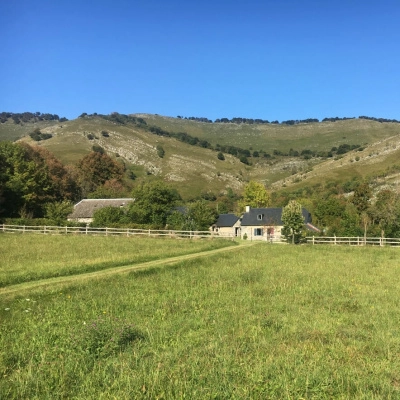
[275, 150]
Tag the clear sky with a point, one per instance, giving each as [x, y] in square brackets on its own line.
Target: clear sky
[271, 59]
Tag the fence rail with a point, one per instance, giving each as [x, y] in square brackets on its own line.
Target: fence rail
[88, 230]
[354, 241]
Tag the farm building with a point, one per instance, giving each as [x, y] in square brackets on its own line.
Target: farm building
[257, 223]
[227, 224]
[84, 210]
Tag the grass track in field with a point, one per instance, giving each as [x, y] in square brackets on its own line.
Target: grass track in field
[263, 322]
[32, 257]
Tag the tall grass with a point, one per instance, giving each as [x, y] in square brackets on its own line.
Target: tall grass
[264, 322]
[31, 257]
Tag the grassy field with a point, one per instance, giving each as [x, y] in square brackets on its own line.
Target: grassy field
[38, 260]
[257, 323]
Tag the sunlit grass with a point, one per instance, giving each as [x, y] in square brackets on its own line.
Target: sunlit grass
[264, 322]
[31, 257]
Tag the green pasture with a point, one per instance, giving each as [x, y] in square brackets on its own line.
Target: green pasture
[32, 257]
[260, 322]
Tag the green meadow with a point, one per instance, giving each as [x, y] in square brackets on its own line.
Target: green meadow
[32, 257]
[251, 322]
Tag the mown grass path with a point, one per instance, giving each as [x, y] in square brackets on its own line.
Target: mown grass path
[62, 280]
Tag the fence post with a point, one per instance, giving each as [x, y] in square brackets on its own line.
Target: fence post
[334, 239]
[106, 231]
[86, 229]
[313, 240]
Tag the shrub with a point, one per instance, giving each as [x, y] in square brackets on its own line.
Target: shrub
[98, 149]
[244, 160]
[160, 151]
[108, 215]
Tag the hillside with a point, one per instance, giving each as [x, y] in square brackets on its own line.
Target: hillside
[195, 169]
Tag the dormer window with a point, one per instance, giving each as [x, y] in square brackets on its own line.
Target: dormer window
[260, 217]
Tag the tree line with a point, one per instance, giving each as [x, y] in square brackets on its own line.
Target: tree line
[123, 119]
[35, 184]
[29, 117]
[251, 121]
[31, 178]
[350, 208]
[242, 154]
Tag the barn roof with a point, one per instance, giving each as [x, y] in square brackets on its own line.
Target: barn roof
[86, 207]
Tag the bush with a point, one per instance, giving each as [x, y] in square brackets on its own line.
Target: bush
[160, 151]
[107, 216]
[244, 160]
[98, 149]
[38, 136]
[40, 222]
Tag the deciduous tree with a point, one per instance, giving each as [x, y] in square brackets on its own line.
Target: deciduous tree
[255, 195]
[95, 169]
[154, 200]
[32, 177]
[202, 215]
[361, 197]
[293, 222]
[58, 211]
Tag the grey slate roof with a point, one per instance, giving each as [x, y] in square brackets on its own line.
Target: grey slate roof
[226, 220]
[86, 207]
[268, 216]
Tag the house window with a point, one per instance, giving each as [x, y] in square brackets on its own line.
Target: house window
[258, 231]
[260, 217]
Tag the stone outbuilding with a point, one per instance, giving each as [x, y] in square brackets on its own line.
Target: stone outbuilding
[84, 210]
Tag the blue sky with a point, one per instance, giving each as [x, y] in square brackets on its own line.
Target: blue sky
[275, 60]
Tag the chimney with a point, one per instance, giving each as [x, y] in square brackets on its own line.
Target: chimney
[247, 209]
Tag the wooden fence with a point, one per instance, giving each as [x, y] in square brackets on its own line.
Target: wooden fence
[354, 241]
[88, 230]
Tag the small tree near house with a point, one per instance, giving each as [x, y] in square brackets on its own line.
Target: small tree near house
[293, 222]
